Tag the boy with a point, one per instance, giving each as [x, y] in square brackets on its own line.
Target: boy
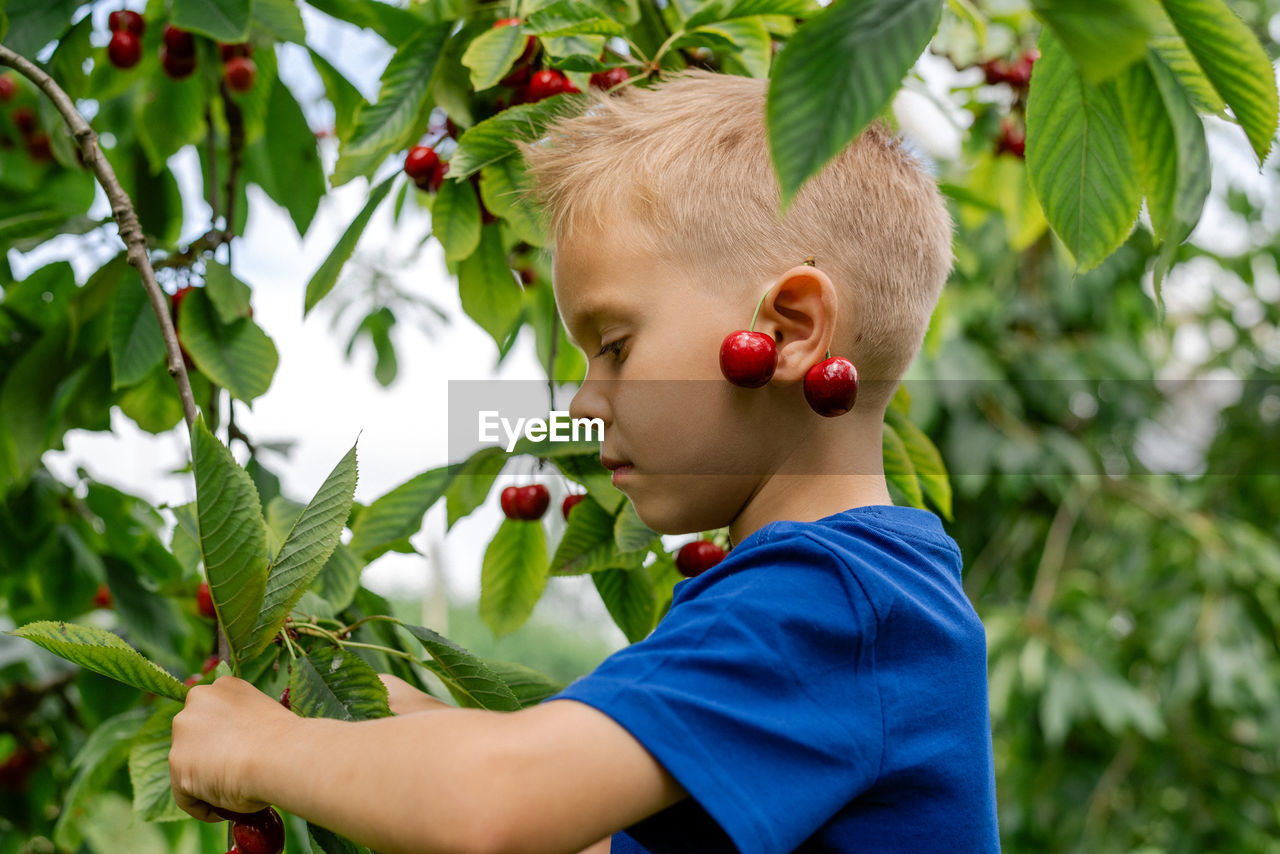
[823, 688]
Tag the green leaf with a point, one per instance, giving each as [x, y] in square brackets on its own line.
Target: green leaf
[588, 543]
[466, 676]
[712, 11]
[570, 17]
[221, 20]
[332, 843]
[398, 514]
[751, 44]
[237, 356]
[455, 218]
[229, 295]
[530, 686]
[495, 137]
[345, 97]
[286, 162]
[472, 483]
[835, 74]
[102, 652]
[233, 537]
[305, 550]
[169, 114]
[925, 458]
[35, 23]
[327, 276]
[388, 125]
[512, 575]
[628, 596]
[1103, 36]
[137, 346]
[105, 749]
[630, 533]
[281, 18]
[1173, 50]
[898, 469]
[492, 53]
[339, 578]
[149, 767]
[1235, 62]
[1079, 157]
[503, 186]
[333, 683]
[488, 288]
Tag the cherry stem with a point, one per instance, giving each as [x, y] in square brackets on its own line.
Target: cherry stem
[756, 313]
[313, 629]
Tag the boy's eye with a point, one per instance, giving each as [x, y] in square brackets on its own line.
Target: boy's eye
[613, 348]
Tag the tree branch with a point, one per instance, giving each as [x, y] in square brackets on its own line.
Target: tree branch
[122, 210]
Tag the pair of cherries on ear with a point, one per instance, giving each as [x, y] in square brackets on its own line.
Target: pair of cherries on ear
[748, 359]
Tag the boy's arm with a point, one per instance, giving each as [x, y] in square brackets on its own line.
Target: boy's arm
[552, 778]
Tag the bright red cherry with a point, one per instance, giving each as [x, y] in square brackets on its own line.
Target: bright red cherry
[204, 600]
[259, 833]
[508, 501]
[7, 87]
[239, 74]
[531, 501]
[124, 49]
[570, 502]
[102, 598]
[227, 52]
[748, 359]
[831, 386]
[609, 79]
[545, 83]
[421, 162]
[433, 181]
[697, 557]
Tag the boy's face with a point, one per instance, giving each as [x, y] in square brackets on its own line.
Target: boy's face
[697, 446]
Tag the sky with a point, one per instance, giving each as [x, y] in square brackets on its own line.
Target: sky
[322, 402]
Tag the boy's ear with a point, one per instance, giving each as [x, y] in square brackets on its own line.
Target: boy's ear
[800, 313]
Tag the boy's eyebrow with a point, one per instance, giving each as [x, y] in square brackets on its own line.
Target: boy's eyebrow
[592, 313]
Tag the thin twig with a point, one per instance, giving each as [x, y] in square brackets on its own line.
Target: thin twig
[122, 211]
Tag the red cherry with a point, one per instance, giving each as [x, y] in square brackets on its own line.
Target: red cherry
[748, 359]
[126, 20]
[545, 83]
[570, 502]
[1012, 139]
[175, 65]
[204, 601]
[996, 70]
[227, 52]
[609, 79]
[102, 598]
[508, 501]
[531, 501]
[192, 680]
[518, 77]
[181, 44]
[259, 833]
[432, 183]
[239, 74]
[24, 118]
[210, 664]
[124, 49]
[7, 87]
[421, 162]
[527, 276]
[697, 557]
[175, 301]
[38, 148]
[831, 386]
[284, 700]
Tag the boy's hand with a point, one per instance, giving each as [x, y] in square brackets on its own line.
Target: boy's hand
[404, 699]
[223, 729]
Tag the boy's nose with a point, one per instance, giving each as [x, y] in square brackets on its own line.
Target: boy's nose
[592, 401]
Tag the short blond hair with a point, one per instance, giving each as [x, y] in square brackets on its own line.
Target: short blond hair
[688, 159]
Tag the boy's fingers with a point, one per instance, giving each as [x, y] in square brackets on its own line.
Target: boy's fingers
[404, 699]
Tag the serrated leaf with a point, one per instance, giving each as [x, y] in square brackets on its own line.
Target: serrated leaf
[233, 537]
[237, 356]
[468, 678]
[630, 533]
[530, 686]
[327, 276]
[137, 345]
[495, 137]
[345, 97]
[1103, 36]
[492, 53]
[835, 74]
[221, 20]
[899, 470]
[386, 126]
[1173, 50]
[305, 550]
[398, 514]
[102, 652]
[339, 578]
[229, 295]
[286, 160]
[512, 575]
[1235, 62]
[149, 767]
[455, 219]
[724, 10]
[628, 596]
[587, 544]
[503, 186]
[472, 483]
[488, 288]
[331, 683]
[1079, 157]
[925, 458]
[569, 17]
[749, 41]
[281, 18]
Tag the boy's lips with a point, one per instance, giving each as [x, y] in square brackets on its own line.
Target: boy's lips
[619, 467]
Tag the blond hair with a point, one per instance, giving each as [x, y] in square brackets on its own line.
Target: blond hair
[688, 159]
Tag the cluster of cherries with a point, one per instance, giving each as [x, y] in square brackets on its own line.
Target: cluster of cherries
[177, 51]
[1017, 75]
[532, 85]
[34, 139]
[748, 359]
[259, 832]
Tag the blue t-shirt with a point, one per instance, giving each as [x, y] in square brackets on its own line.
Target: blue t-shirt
[822, 689]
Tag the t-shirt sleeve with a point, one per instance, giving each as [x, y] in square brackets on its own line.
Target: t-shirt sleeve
[757, 691]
